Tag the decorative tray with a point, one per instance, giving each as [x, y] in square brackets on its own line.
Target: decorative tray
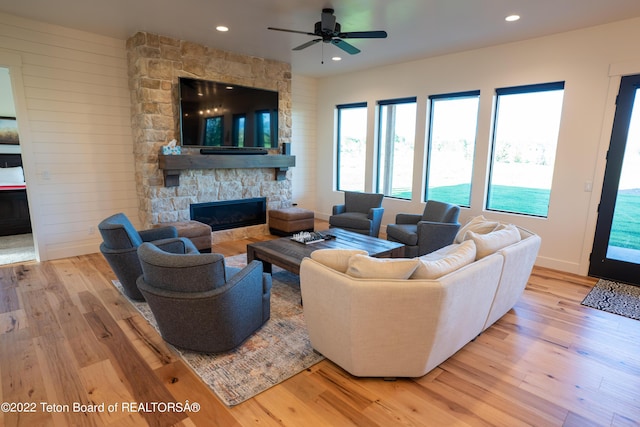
[308, 238]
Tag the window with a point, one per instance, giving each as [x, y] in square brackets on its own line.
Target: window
[213, 131]
[396, 137]
[352, 145]
[239, 121]
[527, 122]
[452, 141]
[266, 124]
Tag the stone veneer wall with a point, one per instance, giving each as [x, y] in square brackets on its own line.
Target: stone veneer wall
[155, 63]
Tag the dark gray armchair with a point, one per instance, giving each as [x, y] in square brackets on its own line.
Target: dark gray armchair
[199, 303]
[120, 244]
[361, 213]
[423, 234]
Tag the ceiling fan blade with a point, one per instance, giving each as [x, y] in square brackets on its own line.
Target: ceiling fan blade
[307, 44]
[291, 31]
[345, 46]
[363, 35]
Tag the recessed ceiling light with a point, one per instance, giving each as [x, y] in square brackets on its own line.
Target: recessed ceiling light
[512, 18]
[336, 58]
[222, 28]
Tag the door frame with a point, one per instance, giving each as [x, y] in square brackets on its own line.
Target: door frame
[599, 264]
[13, 62]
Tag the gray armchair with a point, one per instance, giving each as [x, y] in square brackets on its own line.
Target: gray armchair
[361, 213]
[120, 244]
[423, 234]
[199, 303]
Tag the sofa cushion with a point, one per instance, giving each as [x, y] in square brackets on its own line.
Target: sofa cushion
[486, 244]
[337, 259]
[366, 267]
[405, 233]
[478, 225]
[450, 258]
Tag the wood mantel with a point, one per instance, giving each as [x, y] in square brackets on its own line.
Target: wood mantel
[171, 165]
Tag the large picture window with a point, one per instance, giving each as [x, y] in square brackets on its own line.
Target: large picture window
[352, 146]
[527, 122]
[452, 141]
[396, 138]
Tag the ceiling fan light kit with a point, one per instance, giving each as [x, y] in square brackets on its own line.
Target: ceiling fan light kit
[327, 30]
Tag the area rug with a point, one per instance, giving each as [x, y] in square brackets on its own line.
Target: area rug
[615, 297]
[276, 352]
[16, 248]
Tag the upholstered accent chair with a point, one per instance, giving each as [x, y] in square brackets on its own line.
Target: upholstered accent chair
[424, 233]
[120, 241]
[360, 212]
[199, 303]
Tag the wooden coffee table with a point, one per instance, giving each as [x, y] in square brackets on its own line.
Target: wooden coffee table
[288, 254]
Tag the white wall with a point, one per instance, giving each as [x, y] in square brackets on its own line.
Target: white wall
[582, 59]
[73, 109]
[303, 140]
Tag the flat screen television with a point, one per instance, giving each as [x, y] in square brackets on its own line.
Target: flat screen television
[215, 114]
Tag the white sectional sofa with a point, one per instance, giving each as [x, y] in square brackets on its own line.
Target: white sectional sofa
[404, 317]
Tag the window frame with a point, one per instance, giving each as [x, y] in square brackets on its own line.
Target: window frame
[339, 108]
[446, 96]
[379, 105]
[515, 90]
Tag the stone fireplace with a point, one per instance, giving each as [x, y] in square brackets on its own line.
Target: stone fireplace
[155, 63]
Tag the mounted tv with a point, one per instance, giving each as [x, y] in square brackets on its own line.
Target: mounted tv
[215, 114]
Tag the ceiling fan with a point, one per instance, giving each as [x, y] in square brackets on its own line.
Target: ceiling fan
[328, 31]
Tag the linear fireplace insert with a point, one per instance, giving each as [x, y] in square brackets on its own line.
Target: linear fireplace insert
[226, 214]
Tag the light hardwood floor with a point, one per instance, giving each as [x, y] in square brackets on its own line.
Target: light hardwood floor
[67, 336]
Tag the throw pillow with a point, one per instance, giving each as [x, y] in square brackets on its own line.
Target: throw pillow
[479, 225]
[336, 259]
[366, 267]
[486, 244]
[454, 258]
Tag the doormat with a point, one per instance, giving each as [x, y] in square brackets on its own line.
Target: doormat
[615, 297]
[277, 351]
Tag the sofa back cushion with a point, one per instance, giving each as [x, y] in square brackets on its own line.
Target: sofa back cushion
[118, 232]
[478, 225]
[362, 202]
[337, 259]
[446, 261]
[435, 211]
[486, 244]
[366, 267]
[194, 272]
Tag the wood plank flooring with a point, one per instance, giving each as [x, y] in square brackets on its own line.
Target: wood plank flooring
[67, 337]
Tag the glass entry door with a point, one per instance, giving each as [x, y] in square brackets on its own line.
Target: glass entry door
[616, 247]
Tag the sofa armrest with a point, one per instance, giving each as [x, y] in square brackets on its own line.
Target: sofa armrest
[407, 218]
[177, 245]
[339, 209]
[375, 215]
[159, 233]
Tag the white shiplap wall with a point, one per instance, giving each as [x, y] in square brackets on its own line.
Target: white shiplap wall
[75, 129]
[304, 92]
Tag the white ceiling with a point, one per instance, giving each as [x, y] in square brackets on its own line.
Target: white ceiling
[416, 28]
